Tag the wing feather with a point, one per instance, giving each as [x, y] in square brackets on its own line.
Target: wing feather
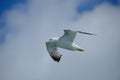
[53, 51]
[68, 36]
[85, 33]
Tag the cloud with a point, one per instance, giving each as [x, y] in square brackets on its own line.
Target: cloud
[24, 57]
[89, 5]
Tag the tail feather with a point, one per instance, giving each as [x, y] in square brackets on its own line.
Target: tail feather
[79, 49]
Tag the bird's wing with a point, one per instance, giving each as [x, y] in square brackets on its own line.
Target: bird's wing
[69, 35]
[85, 33]
[53, 51]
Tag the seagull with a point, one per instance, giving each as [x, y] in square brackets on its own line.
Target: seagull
[66, 42]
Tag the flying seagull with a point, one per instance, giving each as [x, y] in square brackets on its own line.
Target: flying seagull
[66, 42]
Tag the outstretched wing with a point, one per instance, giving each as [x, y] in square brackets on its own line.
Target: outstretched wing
[53, 51]
[85, 33]
[69, 36]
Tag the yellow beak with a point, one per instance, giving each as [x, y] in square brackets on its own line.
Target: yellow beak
[46, 41]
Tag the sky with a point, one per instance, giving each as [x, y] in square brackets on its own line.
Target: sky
[25, 25]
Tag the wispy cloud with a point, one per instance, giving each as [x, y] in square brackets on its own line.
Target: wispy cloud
[24, 57]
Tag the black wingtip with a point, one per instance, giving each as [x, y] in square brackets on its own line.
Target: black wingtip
[85, 33]
[56, 58]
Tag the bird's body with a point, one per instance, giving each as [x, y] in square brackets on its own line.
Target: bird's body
[65, 42]
[68, 45]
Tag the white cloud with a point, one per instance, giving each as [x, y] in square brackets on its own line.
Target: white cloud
[24, 55]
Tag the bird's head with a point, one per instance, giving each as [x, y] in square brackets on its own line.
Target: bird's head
[48, 41]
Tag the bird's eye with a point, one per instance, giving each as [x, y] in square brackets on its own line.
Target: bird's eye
[50, 39]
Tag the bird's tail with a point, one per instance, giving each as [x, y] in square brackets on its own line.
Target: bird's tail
[79, 49]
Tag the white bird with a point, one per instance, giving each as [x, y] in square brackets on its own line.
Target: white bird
[66, 42]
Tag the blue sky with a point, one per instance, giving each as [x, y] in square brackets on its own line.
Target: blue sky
[89, 5]
[8, 4]
[23, 54]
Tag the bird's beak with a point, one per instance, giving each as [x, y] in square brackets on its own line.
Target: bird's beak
[46, 41]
